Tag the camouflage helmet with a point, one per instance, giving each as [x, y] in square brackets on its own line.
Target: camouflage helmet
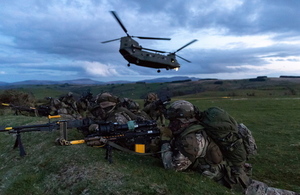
[182, 110]
[106, 99]
[151, 97]
[133, 106]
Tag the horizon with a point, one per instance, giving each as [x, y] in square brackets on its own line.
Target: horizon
[149, 80]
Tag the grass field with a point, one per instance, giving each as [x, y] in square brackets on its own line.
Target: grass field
[78, 169]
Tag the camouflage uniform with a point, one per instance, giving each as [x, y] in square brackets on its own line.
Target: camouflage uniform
[153, 110]
[68, 105]
[134, 107]
[84, 104]
[57, 107]
[187, 146]
[109, 109]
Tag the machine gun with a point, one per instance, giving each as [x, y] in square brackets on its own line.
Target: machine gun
[19, 109]
[40, 110]
[123, 137]
[106, 134]
[61, 125]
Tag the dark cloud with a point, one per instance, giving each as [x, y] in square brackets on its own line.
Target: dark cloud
[48, 37]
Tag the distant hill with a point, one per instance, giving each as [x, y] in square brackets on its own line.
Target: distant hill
[47, 82]
[3, 83]
[173, 87]
[93, 82]
[169, 79]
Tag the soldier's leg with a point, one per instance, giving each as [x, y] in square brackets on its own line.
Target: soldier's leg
[260, 188]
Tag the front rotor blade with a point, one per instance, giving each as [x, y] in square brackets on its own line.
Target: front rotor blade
[157, 38]
[186, 45]
[110, 40]
[154, 50]
[119, 21]
[183, 59]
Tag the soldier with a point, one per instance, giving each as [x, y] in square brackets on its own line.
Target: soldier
[109, 109]
[134, 107]
[68, 103]
[153, 107]
[84, 103]
[186, 145]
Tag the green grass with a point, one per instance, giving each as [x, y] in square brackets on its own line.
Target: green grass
[79, 169]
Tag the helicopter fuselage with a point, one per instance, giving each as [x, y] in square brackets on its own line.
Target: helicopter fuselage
[134, 53]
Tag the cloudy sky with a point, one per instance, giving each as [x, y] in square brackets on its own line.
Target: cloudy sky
[61, 39]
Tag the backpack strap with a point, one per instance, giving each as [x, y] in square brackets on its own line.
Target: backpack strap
[187, 142]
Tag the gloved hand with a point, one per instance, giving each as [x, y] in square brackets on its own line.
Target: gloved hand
[165, 134]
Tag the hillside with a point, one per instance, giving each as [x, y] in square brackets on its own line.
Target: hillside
[269, 87]
[269, 108]
[79, 169]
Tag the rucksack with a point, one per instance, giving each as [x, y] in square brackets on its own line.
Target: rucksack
[235, 140]
[248, 140]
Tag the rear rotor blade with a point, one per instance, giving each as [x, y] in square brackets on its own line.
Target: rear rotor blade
[183, 59]
[186, 45]
[119, 21]
[157, 38]
[110, 40]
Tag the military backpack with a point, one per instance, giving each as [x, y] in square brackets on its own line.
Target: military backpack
[235, 140]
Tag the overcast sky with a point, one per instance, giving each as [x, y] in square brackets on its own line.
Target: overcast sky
[61, 39]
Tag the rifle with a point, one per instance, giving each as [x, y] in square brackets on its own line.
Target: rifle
[157, 109]
[108, 134]
[19, 109]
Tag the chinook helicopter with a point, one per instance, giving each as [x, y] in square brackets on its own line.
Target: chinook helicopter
[140, 56]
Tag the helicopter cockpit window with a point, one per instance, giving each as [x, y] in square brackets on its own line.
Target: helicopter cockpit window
[172, 60]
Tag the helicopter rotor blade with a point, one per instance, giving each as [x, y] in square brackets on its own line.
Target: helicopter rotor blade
[140, 48]
[183, 58]
[186, 45]
[157, 38]
[110, 40]
[119, 21]
[154, 50]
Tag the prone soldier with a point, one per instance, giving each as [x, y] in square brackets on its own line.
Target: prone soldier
[188, 144]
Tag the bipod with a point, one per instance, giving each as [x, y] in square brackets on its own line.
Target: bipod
[18, 143]
[108, 155]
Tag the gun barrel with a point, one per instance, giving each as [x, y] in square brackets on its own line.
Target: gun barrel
[24, 130]
[41, 127]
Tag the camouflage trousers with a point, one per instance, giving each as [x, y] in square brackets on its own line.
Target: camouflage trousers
[260, 188]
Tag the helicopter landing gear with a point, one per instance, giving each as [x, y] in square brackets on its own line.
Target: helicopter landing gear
[158, 71]
[128, 65]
